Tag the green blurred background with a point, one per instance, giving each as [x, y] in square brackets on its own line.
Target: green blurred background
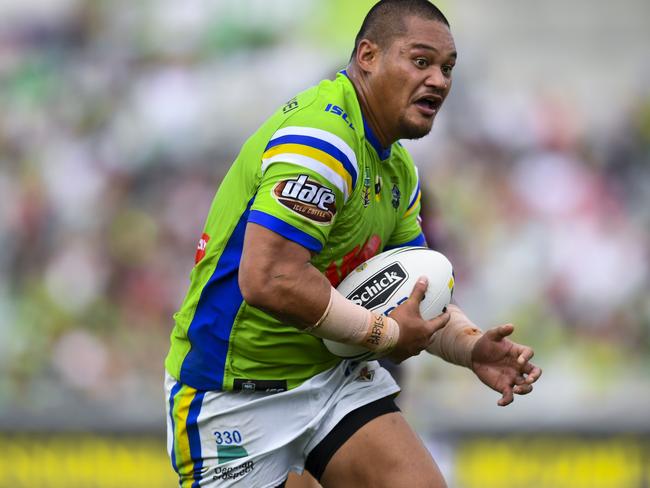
[118, 121]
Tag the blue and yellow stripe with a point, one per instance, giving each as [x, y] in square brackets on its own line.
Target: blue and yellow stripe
[187, 459]
[414, 201]
[315, 149]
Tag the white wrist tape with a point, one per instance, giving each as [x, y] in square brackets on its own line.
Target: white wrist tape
[345, 321]
[455, 341]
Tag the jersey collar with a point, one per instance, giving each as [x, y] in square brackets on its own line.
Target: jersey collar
[382, 152]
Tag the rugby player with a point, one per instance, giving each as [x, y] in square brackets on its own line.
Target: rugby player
[323, 185]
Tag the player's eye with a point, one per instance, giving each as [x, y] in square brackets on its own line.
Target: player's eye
[421, 62]
[447, 69]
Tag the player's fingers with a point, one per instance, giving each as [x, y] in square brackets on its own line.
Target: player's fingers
[506, 397]
[439, 322]
[522, 389]
[520, 379]
[525, 355]
[534, 374]
[506, 330]
[419, 289]
[527, 368]
[498, 333]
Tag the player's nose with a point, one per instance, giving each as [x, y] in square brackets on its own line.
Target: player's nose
[436, 79]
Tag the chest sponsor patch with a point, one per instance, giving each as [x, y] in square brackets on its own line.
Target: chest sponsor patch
[307, 198]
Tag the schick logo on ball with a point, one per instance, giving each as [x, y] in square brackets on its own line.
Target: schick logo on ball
[377, 289]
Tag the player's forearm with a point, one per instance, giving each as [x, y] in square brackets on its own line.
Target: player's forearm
[294, 297]
[347, 322]
[455, 342]
[297, 295]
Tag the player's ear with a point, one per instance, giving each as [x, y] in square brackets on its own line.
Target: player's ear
[367, 54]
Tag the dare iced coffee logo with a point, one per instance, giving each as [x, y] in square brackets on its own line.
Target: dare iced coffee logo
[307, 198]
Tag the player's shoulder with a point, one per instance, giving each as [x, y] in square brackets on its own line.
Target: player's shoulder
[323, 111]
[316, 129]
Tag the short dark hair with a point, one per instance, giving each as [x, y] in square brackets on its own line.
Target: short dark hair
[385, 20]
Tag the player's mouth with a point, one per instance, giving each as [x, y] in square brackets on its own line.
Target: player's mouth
[428, 105]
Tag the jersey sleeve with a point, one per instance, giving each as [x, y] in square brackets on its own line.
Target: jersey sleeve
[408, 231]
[308, 174]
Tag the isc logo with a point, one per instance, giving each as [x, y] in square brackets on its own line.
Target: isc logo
[307, 198]
[336, 110]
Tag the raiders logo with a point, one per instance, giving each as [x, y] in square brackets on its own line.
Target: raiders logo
[307, 198]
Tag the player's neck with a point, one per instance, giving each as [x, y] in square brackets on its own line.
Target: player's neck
[369, 105]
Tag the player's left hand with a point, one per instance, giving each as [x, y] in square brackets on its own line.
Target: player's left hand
[504, 365]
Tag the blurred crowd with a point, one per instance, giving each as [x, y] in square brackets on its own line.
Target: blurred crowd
[116, 129]
[548, 227]
[546, 219]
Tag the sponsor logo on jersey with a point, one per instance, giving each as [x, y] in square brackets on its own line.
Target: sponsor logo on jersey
[336, 110]
[307, 198]
[366, 189]
[365, 375]
[230, 447]
[201, 247]
[290, 105]
[269, 386]
[396, 196]
[360, 254]
[377, 289]
[233, 472]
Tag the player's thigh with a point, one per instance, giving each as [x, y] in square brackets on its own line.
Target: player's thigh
[384, 453]
[305, 480]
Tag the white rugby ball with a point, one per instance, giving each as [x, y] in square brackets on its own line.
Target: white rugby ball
[387, 279]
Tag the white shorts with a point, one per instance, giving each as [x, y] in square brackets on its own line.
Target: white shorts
[253, 439]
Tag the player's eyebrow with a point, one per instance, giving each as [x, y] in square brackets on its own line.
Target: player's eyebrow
[429, 47]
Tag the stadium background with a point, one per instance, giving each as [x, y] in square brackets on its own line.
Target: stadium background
[118, 120]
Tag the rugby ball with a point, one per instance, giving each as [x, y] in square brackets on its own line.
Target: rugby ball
[387, 280]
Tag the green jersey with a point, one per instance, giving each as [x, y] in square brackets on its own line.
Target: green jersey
[315, 174]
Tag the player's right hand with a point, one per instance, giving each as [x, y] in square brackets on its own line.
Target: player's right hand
[415, 333]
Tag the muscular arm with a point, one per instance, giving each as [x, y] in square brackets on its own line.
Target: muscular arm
[276, 276]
